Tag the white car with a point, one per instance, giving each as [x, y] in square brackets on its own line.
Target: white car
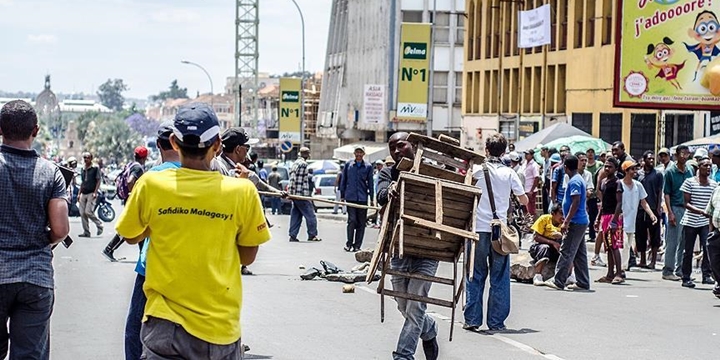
[324, 189]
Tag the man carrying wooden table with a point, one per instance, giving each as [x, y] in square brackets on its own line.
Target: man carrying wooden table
[418, 325]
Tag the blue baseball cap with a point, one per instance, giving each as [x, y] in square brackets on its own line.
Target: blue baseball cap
[555, 158]
[165, 129]
[196, 125]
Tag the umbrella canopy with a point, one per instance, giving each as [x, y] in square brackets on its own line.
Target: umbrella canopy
[708, 142]
[324, 166]
[548, 134]
[576, 143]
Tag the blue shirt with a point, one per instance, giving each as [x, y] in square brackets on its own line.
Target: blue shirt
[558, 177]
[357, 182]
[576, 186]
[140, 266]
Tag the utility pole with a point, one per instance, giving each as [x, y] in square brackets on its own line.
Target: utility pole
[246, 55]
[302, 78]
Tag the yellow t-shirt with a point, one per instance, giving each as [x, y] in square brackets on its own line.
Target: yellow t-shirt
[197, 219]
[544, 226]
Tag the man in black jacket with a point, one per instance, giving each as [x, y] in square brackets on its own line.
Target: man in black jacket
[418, 325]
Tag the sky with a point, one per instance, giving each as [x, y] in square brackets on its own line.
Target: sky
[82, 43]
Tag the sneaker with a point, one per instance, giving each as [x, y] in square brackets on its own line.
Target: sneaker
[84, 235]
[109, 255]
[293, 239]
[688, 284]
[358, 249]
[597, 261]
[576, 287]
[708, 280]
[347, 249]
[473, 328]
[538, 280]
[431, 348]
[100, 231]
[245, 271]
[551, 284]
[571, 279]
[314, 238]
[671, 277]
[716, 291]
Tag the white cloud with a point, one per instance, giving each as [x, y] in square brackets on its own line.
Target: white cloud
[42, 38]
[6, 2]
[175, 16]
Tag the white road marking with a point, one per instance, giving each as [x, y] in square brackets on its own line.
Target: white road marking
[526, 348]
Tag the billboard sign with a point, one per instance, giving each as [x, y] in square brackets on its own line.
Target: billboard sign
[414, 72]
[289, 127]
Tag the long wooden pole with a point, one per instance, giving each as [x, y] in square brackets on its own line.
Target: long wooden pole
[308, 198]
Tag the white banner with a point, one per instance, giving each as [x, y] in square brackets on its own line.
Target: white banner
[373, 104]
[535, 27]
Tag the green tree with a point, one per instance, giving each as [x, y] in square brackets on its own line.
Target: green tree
[110, 94]
[112, 139]
[175, 92]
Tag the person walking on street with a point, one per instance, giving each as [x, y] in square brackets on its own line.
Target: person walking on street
[91, 180]
[573, 252]
[418, 324]
[136, 170]
[194, 296]
[675, 176]
[504, 182]
[300, 186]
[531, 171]
[593, 166]
[697, 192]
[609, 233]
[170, 159]
[338, 179]
[36, 220]
[648, 232]
[274, 179]
[356, 187]
[713, 243]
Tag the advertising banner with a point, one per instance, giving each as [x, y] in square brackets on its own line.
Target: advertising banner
[534, 27]
[414, 72]
[289, 109]
[667, 54]
[373, 104]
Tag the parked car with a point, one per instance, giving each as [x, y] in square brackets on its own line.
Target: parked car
[285, 204]
[324, 189]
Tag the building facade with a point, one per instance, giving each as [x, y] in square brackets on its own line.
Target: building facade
[363, 49]
[519, 91]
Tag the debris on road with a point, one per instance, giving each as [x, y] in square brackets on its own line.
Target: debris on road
[348, 289]
[330, 272]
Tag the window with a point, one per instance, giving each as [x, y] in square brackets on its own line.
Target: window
[582, 121]
[412, 16]
[678, 129]
[507, 128]
[611, 127]
[607, 19]
[440, 87]
[460, 30]
[458, 87]
[442, 28]
[642, 134]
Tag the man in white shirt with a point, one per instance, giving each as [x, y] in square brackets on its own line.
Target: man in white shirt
[504, 183]
[531, 170]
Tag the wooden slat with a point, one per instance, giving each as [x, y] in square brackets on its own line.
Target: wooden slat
[438, 202]
[445, 255]
[405, 164]
[436, 172]
[401, 222]
[424, 233]
[444, 159]
[418, 158]
[431, 244]
[450, 204]
[459, 186]
[434, 226]
[382, 240]
[446, 148]
[425, 211]
[419, 276]
[418, 298]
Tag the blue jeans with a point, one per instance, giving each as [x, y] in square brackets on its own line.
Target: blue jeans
[275, 203]
[499, 297]
[300, 209]
[674, 244]
[133, 345]
[573, 253]
[28, 308]
[418, 325]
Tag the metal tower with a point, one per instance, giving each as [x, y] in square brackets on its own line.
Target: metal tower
[246, 61]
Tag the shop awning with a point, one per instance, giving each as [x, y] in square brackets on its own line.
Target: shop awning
[373, 151]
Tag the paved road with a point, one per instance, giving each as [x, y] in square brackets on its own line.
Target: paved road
[285, 318]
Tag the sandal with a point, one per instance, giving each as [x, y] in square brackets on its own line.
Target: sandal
[618, 281]
[604, 280]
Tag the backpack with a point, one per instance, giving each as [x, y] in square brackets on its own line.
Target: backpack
[121, 181]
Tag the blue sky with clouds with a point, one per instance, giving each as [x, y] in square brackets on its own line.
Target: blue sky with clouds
[82, 43]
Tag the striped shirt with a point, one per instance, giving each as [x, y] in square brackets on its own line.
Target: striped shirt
[699, 197]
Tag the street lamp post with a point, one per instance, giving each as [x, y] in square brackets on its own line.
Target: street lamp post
[302, 78]
[206, 73]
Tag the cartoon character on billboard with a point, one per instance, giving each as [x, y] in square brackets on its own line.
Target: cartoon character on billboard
[659, 58]
[707, 32]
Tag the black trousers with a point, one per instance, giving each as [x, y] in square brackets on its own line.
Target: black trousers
[592, 209]
[713, 247]
[643, 226]
[546, 196]
[357, 221]
[28, 308]
[690, 234]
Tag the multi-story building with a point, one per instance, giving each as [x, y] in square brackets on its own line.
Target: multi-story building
[223, 105]
[570, 80]
[363, 49]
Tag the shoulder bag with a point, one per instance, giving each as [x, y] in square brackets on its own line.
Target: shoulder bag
[503, 238]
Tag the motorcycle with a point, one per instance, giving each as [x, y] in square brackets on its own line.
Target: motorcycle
[103, 207]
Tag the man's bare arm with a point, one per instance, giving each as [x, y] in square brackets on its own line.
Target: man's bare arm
[139, 238]
[58, 220]
[247, 254]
